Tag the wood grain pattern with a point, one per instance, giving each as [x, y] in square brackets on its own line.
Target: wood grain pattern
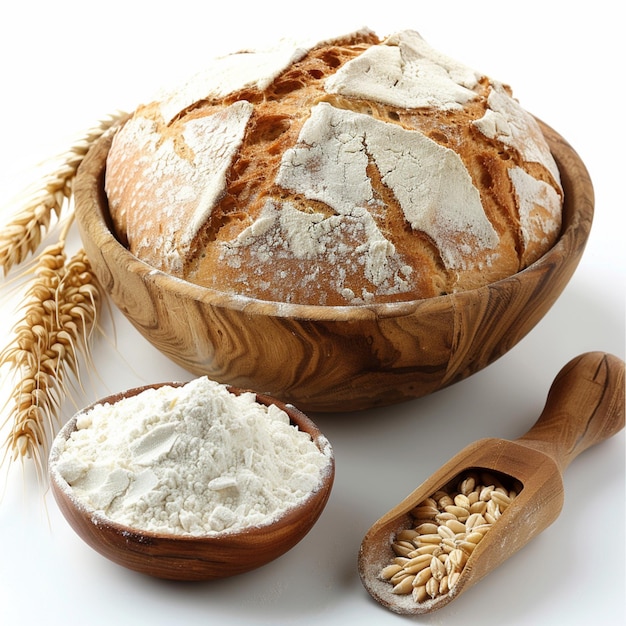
[333, 358]
[585, 406]
[180, 557]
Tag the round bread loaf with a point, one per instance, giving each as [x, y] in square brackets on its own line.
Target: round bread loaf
[345, 172]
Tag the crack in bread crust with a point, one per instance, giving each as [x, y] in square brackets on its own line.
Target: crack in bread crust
[375, 250]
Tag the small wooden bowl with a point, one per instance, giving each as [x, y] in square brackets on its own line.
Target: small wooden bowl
[333, 358]
[183, 557]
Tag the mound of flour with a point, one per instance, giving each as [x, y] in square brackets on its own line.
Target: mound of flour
[192, 460]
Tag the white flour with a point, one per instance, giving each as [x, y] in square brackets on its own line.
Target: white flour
[190, 460]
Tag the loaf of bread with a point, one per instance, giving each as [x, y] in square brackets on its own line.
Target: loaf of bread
[350, 171]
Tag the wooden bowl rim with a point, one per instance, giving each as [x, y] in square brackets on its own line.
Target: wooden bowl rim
[297, 418]
[577, 224]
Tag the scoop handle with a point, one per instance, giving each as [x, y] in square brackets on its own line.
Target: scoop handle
[585, 406]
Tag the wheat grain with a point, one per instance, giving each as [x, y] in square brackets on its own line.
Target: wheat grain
[447, 531]
[404, 586]
[419, 593]
[390, 571]
[45, 200]
[417, 563]
[457, 527]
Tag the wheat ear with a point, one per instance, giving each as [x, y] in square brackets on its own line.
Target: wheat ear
[60, 313]
[34, 403]
[22, 236]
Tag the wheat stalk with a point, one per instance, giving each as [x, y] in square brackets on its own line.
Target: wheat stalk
[60, 308]
[23, 235]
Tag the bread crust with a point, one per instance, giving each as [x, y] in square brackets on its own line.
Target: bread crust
[348, 172]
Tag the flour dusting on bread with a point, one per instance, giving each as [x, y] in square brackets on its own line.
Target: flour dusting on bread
[351, 171]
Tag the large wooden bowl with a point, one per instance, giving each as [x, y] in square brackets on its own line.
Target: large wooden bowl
[333, 358]
[186, 557]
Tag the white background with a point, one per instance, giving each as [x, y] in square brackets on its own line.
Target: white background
[65, 64]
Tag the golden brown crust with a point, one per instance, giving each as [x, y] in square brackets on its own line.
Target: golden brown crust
[249, 243]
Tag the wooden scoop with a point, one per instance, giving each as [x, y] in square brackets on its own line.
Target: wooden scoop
[585, 406]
